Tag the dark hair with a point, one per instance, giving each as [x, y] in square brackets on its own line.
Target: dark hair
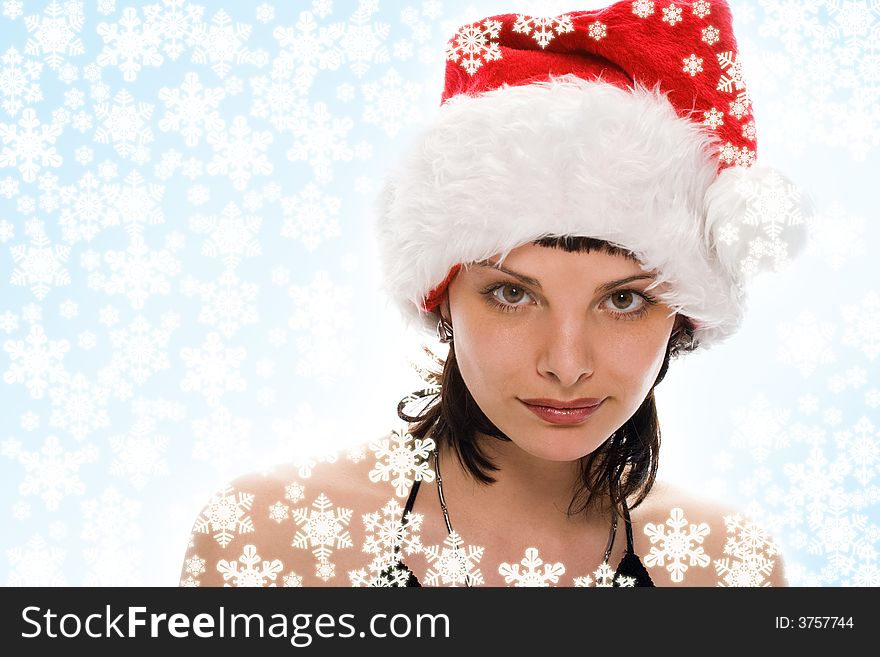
[625, 464]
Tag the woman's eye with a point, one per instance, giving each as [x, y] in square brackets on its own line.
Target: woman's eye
[626, 301]
[514, 297]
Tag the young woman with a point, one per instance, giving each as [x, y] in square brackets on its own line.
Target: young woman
[577, 216]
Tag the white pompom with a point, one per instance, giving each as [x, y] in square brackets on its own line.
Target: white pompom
[756, 220]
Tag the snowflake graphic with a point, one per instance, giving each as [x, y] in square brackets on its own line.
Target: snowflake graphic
[362, 41]
[251, 573]
[139, 455]
[239, 152]
[227, 304]
[126, 125]
[391, 103]
[750, 550]
[221, 43]
[643, 8]
[79, 406]
[454, 564]
[225, 515]
[677, 545]
[38, 364]
[39, 265]
[134, 47]
[194, 565]
[672, 15]
[36, 564]
[713, 118]
[279, 512]
[192, 108]
[692, 65]
[136, 204]
[140, 349]
[294, 491]
[172, 21]
[320, 138]
[305, 49]
[84, 208]
[213, 369]
[291, 580]
[542, 29]
[702, 8]
[760, 428]
[806, 343]
[52, 472]
[19, 81]
[386, 535]
[32, 145]
[863, 325]
[222, 439]
[861, 444]
[407, 455]
[532, 574]
[732, 79]
[112, 526]
[323, 531]
[605, 577]
[310, 217]
[598, 30]
[472, 46]
[55, 33]
[231, 236]
[138, 272]
[711, 35]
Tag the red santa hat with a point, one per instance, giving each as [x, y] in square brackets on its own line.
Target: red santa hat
[631, 124]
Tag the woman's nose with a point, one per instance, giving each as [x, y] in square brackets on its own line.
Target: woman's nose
[567, 351]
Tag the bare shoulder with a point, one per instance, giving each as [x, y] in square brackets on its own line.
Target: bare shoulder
[686, 539]
[299, 524]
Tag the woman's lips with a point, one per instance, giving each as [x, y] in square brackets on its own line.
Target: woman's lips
[563, 416]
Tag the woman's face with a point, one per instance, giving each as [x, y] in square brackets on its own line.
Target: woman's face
[584, 327]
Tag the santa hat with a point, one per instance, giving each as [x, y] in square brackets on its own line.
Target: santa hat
[630, 124]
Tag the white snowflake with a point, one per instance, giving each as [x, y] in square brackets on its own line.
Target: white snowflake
[542, 29]
[228, 304]
[139, 455]
[279, 512]
[454, 564]
[126, 125]
[19, 81]
[387, 534]
[362, 42]
[291, 580]
[231, 236]
[672, 15]
[194, 565]
[139, 272]
[732, 79]
[112, 526]
[806, 343]
[251, 573]
[53, 471]
[532, 573]
[836, 237]
[79, 406]
[702, 8]
[126, 42]
[221, 439]
[213, 369]
[677, 545]
[55, 33]
[36, 564]
[40, 265]
[29, 145]
[861, 444]
[407, 455]
[320, 138]
[863, 325]
[643, 8]
[711, 35]
[760, 429]
[192, 109]
[173, 21]
[38, 364]
[751, 551]
[692, 65]
[310, 217]
[221, 43]
[140, 349]
[239, 152]
[136, 204]
[598, 30]
[294, 491]
[471, 44]
[323, 530]
[391, 103]
[225, 515]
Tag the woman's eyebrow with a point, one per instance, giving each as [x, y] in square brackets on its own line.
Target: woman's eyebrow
[528, 280]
